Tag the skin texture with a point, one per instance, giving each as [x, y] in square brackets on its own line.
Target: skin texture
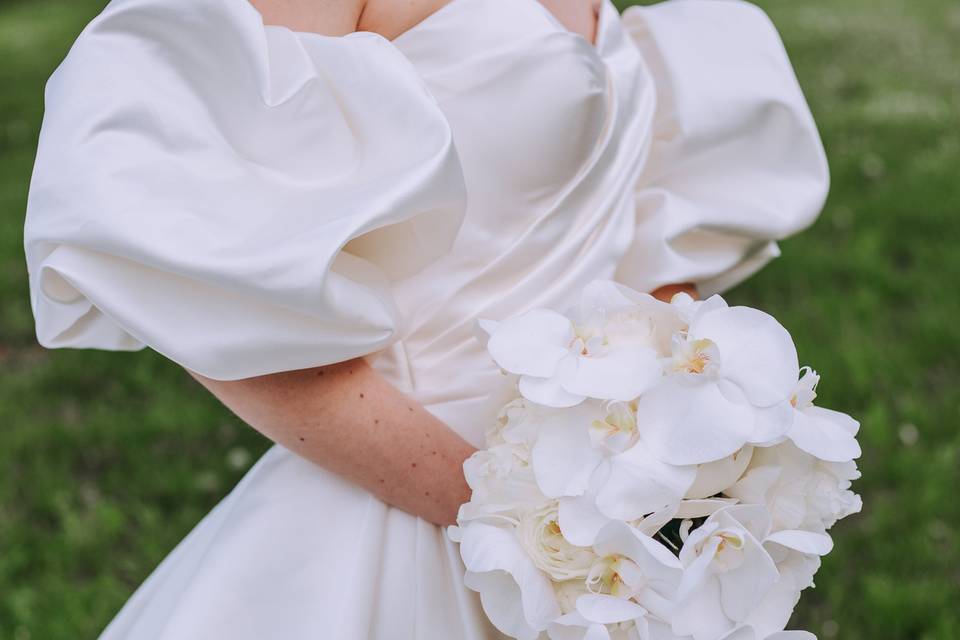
[346, 417]
[390, 18]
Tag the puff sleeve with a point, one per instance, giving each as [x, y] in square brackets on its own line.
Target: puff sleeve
[235, 196]
[736, 162]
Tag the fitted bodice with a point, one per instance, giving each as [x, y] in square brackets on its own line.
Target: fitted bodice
[246, 199]
[549, 130]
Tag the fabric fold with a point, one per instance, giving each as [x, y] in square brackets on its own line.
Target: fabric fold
[239, 200]
[736, 162]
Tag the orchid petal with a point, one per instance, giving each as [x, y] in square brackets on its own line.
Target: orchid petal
[562, 455]
[500, 597]
[841, 420]
[604, 609]
[574, 626]
[743, 632]
[700, 615]
[808, 542]
[578, 517]
[702, 508]
[532, 343]
[757, 353]
[684, 424]
[620, 374]
[825, 434]
[490, 554]
[640, 484]
[659, 566]
[548, 392]
[697, 573]
[743, 589]
[772, 423]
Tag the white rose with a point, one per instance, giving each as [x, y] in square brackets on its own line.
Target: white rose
[502, 481]
[540, 535]
[799, 490]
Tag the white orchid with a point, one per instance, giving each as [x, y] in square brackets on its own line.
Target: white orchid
[746, 632]
[627, 487]
[609, 352]
[517, 597]
[729, 570]
[730, 363]
[588, 457]
[796, 568]
[632, 578]
[824, 433]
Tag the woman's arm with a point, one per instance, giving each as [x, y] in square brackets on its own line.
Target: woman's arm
[348, 419]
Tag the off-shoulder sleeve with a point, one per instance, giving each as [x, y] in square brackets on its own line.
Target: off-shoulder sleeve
[237, 197]
[736, 162]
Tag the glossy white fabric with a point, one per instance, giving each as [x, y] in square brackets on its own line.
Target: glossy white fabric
[245, 199]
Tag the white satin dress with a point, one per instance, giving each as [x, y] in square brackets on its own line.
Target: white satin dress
[247, 199]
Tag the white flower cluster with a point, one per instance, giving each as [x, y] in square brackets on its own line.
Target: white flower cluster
[661, 473]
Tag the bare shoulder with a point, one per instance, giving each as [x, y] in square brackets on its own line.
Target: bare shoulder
[326, 17]
[389, 18]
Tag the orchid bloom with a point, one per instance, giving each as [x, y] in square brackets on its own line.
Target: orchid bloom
[824, 433]
[729, 364]
[609, 352]
[632, 578]
[729, 570]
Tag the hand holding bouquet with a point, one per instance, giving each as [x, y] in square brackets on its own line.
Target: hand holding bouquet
[658, 471]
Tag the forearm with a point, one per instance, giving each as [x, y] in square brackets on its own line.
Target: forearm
[349, 420]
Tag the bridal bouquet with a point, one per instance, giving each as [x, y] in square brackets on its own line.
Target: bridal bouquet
[656, 472]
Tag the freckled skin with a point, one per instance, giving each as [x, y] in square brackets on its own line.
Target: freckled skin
[322, 419]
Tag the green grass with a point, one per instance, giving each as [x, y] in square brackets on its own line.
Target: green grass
[107, 460]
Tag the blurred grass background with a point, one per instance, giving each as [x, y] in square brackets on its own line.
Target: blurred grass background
[108, 460]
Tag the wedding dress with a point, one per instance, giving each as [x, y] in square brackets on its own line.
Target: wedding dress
[248, 199]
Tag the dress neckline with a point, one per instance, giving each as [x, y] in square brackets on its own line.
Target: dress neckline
[603, 18]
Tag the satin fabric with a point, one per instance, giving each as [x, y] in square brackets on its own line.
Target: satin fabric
[247, 199]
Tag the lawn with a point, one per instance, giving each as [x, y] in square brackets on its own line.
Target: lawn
[107, 460]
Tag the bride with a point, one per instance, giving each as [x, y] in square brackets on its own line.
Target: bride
[307, 204]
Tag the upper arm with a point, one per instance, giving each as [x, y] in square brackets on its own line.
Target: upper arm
[326, 17]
